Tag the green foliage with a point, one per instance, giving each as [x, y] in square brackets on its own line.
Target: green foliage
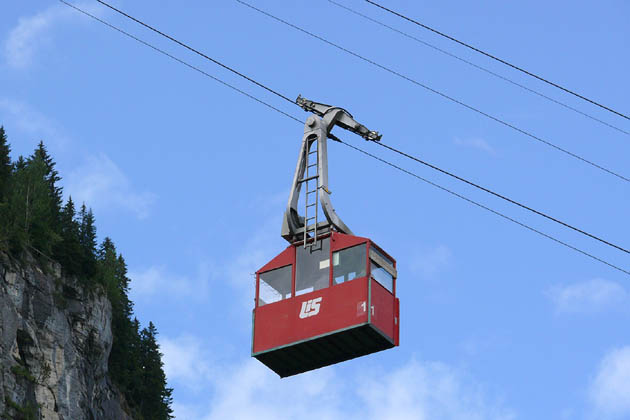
[5, 165]
[27, 412]
[22, 372]
[69, 252]
[158, 401]
[34, 218]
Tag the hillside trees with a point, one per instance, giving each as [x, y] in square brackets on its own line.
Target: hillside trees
[35, 220]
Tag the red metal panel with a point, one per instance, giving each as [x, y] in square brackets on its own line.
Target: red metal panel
[397, 323]
[383, 309]
[341, 240]
[292, 320]
[286, 257]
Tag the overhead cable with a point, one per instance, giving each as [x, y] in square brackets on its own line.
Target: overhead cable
[217, 62]
[332, 136]
[498, 59]
[180, 60]
[502, 197]
[484, 69]
[488, 209]
[450, 98]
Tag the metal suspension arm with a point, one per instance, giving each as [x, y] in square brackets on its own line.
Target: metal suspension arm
[294, 226]
[344, 120]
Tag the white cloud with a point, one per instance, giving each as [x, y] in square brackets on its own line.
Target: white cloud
[426, 391]
[264, 244]
[429, 263]
[31, 122]
[414, 391]
[476, 143]
[610, 391]
[30, 34]
[184, 360]
[158, 280]
[33, 32]
[101, 184]
[588, 296]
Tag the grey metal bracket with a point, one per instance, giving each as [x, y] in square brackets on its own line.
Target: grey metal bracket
[345, 120]
[317, 130]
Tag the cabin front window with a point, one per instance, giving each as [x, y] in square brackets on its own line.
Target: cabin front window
[349, 263]
[274, 285]
[313, 267]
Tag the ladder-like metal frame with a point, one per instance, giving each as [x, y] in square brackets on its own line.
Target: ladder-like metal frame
[317, 128]
[308, 192]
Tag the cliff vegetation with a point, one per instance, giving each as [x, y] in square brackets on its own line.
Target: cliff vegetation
[67, 324]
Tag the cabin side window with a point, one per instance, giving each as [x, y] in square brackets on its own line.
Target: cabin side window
[313, 267]
[349, 263]
[274, 285]
[382, 269]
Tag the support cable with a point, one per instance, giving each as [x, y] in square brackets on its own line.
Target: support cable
[478, 67]
[450, 98]
[502, 197]
[400, 15]
[335, 138]
[180, 60]
[488, 209]
[217, 62]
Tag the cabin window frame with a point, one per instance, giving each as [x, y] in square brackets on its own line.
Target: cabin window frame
[259, 280]
[379, 258]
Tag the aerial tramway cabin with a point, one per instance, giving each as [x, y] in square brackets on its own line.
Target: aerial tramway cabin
[330, 296]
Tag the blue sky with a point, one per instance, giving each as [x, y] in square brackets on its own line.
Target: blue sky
[190, 180]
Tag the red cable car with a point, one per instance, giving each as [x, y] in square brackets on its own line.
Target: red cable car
[330, 296]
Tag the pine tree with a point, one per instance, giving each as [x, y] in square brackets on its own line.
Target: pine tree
[5, 165]
[32, 218]
[87, 239]
[112, 272]
[157, 399]
[6, 170]
[52, 176]
[69, 251]
[32, 207]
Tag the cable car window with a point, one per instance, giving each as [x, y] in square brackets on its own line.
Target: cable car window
[380, 254]
[349, 263]
[313, 267]
[275, 285]
[382, 276]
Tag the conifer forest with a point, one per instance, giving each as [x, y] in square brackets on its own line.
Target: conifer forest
[35, 221]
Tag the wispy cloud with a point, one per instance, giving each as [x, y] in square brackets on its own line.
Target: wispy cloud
[185, 360]
[476, 143]
[31, 122]
[610, 390]
[102, 185]
[30, 34]
[158, 280]
[414, 391]
[429, 263]
[588, 296]
[34, 32]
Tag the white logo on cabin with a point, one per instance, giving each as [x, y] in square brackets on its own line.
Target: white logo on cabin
[310, 308]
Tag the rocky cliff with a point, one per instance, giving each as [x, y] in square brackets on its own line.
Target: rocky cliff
[55, 339]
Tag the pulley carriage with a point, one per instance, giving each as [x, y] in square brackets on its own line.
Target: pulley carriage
[330, 296]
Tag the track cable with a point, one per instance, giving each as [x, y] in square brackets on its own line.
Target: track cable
[333, 137]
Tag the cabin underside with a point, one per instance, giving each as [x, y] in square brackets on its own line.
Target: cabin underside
[325, 350]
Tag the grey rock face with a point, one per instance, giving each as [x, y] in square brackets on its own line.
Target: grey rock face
[55, 339]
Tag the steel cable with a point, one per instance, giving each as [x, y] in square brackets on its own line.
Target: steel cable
[347, 144]
[478, 67]
[498, 59]
[450, 98]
